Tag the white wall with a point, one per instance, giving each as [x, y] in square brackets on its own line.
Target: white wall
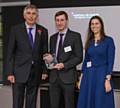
[78, 21]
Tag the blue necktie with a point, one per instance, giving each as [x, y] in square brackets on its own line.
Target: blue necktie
[30, 37]
[60, 47]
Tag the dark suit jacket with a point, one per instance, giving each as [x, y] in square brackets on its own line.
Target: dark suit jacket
[20, 53]
[70, 58]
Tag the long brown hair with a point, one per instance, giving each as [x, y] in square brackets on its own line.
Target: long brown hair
[90, 34]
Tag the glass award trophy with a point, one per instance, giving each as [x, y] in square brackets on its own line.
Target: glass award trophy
[50, 60]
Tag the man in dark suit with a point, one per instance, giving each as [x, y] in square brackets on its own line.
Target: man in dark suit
[27, 44]
[67, 46]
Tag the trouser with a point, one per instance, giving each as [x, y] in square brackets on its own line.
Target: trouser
[25, 92]
[58, 89]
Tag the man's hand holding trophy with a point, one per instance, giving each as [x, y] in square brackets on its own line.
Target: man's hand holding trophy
[50, 60]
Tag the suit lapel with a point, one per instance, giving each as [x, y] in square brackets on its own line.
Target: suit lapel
[55, 43]
[37, 36]
[66, 38]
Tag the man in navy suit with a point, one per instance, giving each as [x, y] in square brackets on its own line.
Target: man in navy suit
[67, 46]
[27, 44]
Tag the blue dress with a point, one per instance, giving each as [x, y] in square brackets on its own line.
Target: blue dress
[92, 89]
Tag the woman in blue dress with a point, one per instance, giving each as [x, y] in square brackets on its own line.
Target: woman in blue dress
[96, 88]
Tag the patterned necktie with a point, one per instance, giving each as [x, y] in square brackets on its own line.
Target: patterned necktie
[60, 47]
[30, 36]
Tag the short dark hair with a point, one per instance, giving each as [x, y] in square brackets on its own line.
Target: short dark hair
[61, 13]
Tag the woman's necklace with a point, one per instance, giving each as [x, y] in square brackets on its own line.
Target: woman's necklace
[95, 44]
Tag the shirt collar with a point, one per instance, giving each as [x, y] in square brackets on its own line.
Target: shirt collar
[64, 32]
[27, 26]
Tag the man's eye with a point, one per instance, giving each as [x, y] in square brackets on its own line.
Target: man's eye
[62, 19]
[33, 13]
[28, 12]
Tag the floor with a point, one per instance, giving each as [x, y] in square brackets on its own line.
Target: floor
[6, 97]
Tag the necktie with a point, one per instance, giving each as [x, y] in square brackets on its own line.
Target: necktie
[30, 36]
[59, 47]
